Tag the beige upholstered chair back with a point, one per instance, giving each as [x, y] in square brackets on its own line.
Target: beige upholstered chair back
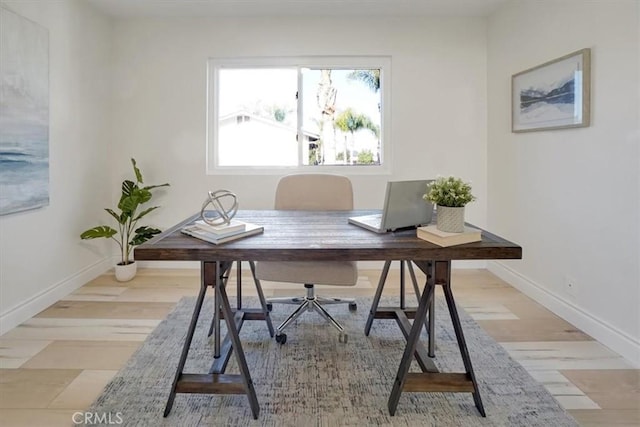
[314, 192]
[311, 192]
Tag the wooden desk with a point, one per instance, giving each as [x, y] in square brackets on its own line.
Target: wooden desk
[321, 236]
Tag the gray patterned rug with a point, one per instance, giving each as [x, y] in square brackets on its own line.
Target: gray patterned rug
[313, 380]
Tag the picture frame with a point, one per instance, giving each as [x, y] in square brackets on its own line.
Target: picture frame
[553, 95]
[24, 119]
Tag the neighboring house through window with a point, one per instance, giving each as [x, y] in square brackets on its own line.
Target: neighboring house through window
[297, 113]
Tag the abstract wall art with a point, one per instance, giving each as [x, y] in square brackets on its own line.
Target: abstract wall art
[24, 114]
[554, 95]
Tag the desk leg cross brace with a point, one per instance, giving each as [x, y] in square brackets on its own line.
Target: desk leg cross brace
[249, 313]
[216, 382]
[402, 314]
[431, 380]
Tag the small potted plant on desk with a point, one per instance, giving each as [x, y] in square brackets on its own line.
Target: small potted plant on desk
[450, 195]
[133, 197]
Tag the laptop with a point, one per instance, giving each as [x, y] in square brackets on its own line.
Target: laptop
[403, 207]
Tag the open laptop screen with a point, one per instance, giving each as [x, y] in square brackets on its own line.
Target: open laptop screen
[403, 207]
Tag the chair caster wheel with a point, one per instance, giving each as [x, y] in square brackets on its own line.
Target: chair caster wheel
[353, 306]
[269, 306]
[343, 338]
[281, 338]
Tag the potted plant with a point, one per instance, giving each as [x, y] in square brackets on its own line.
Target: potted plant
[450, 195]
[127, 235]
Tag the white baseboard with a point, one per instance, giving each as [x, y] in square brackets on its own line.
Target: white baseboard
[34, 305]
[618, 341]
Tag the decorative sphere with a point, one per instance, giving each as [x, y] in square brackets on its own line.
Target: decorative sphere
[224, 204]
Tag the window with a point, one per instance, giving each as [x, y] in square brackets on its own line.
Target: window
[297, 113]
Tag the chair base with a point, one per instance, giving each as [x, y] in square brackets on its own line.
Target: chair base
[310, 303]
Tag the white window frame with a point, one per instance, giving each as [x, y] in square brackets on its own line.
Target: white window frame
[329, 62]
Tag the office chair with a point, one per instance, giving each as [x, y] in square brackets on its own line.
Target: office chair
[311, 192]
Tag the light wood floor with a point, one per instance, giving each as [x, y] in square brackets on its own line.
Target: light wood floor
[58, 362]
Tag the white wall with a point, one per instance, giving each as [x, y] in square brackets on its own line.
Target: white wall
[438, 98]
[570, 197]
[41, 256]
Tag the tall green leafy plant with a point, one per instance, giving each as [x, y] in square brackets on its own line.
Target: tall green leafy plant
[127, 235]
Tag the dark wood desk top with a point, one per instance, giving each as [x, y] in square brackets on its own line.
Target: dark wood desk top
[316, 236]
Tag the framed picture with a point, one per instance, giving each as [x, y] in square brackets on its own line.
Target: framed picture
[24, 114]
[554, 95]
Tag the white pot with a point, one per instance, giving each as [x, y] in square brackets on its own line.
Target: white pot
[450, 219]
[126, 272]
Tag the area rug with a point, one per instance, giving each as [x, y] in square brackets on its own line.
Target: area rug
[314, 380]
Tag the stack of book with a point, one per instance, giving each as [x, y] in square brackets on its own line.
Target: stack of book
[431, 234]
[217, 234]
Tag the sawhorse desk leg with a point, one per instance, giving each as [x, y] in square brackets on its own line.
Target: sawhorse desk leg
[430, 379]
[213, 274]
[263, 302]
[386, 313]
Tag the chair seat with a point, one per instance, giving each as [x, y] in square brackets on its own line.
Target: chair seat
[338, 273]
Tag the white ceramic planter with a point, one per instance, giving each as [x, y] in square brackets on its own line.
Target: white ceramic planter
[124, 273]
[450, 219]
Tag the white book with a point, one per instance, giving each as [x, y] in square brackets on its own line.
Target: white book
[442, 238]
[195, 231]
[224, 229]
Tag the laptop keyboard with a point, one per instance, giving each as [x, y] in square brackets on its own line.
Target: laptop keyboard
[371, 220]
